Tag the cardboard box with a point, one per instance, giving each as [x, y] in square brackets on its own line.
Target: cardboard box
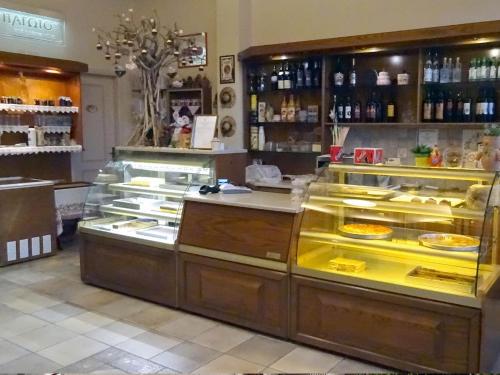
[366, 155]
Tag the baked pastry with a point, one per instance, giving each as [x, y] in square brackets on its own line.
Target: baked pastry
[416, 200]
[346, 265]
[447, 241]
[445, 202]
[431, 201]
[365, 231]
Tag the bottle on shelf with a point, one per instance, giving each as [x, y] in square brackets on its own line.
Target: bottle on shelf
[291, 70]
[457, 71]
[480, 105]
[352, 74]
[439, 108]
[262, 138]
[340, 110]
[338, 77]
[428, 68]
[493, 69]
[491, 110]
[281, 78]
[467, 113]
[390, 111]
[252, 82]
[308, 75]
[472, 70]
[428, 108]
[378, 109]
[371, 111]
[348, 110]
[484, 69]
[254, 138]
[356, 113]
[444, 73]
[297, 108]
[449, 108]
[459, 109]
[274, 79]
[287, 83]
[254, 116]
[299, 76]
[435, 68]
[317, 74]
[262, 84]
[290, 116]
[284, 109]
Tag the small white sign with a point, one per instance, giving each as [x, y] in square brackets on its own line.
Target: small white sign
[19, 24]
[11, 251]
[24, 251]
[35, 246]
[46, 244]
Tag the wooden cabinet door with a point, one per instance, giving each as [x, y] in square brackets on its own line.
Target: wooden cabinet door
[243, 295]
[141, 271]
[407, 333]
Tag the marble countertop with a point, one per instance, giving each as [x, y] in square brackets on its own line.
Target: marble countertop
[170, 150]
[259, 200]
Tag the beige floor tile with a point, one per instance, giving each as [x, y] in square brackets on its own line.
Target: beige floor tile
[92, 301]
[85, 322]
[123, 307]
[262, 350]
[59, 312]
[43, 337]
[197, 353]
[73, 350]
[350, 366]
[176, 362]
[8, 313]
[148, 344]
[31, 302]
[110, 355]
[114, 333]
[9, 352]
[30, 364]
[306, 360]
[153, 317]
[227, 364]
[84, 366]
[270, 370]
[26, 276]
[186, 327]
[222, 338]
[136, 365]
[20, 325]
[107, 370]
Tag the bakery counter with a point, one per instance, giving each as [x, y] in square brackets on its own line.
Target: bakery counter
[234, 258]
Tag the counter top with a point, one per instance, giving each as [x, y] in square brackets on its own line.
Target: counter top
[274, 185]
[169, 150]
[10, 183]
[259, 200]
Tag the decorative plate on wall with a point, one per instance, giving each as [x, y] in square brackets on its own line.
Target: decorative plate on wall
[227, 97]
[227, 126]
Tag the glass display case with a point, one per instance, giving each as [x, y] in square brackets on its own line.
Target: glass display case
[426, 232]
[138, 197]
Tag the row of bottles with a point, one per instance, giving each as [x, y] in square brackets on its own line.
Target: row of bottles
[439, 106]
[484, 69]
[289, 75]
[376, 110]
[343, 76]
[448, 71]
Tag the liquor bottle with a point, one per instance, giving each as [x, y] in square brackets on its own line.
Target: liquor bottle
[482, 106]
[348, 110]
[356, 113]
[472, 70]
[292, 70]
[467, 113]
[287, 83]
[274, 79]
[340, 110]
[390, 111]
[493, 69]
[254, 116]
[371, 109]
[338, 77]
[444, 73]
[290, 117]
[254, 138]
[428, 68]
[457, 71]
[449, 108]
[435, 69]
[439, 108]
[317, 74]
[299, 76]
[262, 85]
[262, 138]
[284, 109]
[459, 112]
[428, 108]
[281, 78]
[252, 83]
[352, 74]
[484, 69]
[308, 74]
[297, 108]
[378, 109]
[491, 106]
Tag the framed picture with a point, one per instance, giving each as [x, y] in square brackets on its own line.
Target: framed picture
[203, 131]
[192, 50]
[226, 66]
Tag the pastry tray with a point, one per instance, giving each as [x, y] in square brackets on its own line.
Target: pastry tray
[159, 231]
[407, 198]
[423, 240]
[435, 279]
[385, 236]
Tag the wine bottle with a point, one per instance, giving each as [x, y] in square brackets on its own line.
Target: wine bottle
[467, 113]
[457, 71]
[287, 83]
[390, 111]
[491, 106]
[435, 69]
[340, 110]
[444, 76]
[348, 110]
[459, 111]
[299, 75]
[308, 74]
[428, 108]
[356, 116]
[378, 110]
[290, 117]
[317, 74]
[449, 109]
[439, 108]
[472, 70]
[338, 77]
[352, 74]
[483, 72]
[252, 84]
[274, 79]
[293, 79]
[254, 116]
[428, 68]
[493, 69]
[284, 109]
[297, 108]
[281, 78]
[262, 85]
[371, 109]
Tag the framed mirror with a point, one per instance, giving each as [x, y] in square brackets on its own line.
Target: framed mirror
[192, 50]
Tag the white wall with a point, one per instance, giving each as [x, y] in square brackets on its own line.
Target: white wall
[280, 21]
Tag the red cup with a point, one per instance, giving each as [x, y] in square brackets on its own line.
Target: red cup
[336, 154]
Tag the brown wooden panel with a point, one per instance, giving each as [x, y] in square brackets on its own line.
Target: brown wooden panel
[245, 231]
[407, 333]
[243, 295]
[231, 166]
[24, 214]
[40, 62]
[42, 166]
[490, 328]
[141, 271]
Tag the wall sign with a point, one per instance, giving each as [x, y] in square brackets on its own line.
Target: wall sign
[19, 24]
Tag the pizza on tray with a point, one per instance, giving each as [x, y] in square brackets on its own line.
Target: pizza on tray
[367, 231]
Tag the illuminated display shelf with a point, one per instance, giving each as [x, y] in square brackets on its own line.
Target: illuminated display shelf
[137, 213]
[25, 150]
[123, 187]
[37, 108]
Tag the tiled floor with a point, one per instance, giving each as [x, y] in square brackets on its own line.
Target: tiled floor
[50, 321]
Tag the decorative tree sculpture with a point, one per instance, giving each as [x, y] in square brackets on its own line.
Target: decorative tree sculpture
[150, 48]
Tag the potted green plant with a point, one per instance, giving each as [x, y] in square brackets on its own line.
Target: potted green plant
[422, 153]
[490, 154]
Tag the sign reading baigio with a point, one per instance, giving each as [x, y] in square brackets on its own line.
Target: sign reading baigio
[32, 26]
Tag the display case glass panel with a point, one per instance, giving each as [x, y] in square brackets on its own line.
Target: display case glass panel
[405, 229]
[140, 199]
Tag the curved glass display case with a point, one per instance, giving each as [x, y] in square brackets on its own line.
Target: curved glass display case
[138, 199]
[425, 232]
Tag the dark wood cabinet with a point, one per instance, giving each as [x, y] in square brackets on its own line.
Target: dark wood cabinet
[397, 331]
[239, 294]
[137, 270]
